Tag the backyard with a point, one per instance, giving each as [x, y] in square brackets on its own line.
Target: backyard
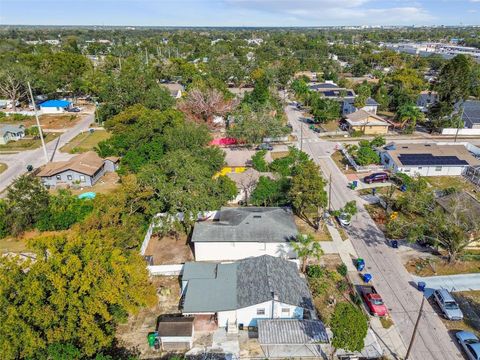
[28, 144]
[458, 182]
[85, 141]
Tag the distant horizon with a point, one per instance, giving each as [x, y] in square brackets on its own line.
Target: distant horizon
[240, 13]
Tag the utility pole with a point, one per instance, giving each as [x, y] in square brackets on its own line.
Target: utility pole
[330, 193]
[38, 123]
[415, 328]
[458, 124]
[301, 136]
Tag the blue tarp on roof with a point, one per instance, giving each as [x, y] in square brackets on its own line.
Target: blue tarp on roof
[56, 103]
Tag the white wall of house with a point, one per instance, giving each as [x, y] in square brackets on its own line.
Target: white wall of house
[422, 170]
[165, 340]
[222, 251]
[52, 110]
[370, 108]
[248, 316]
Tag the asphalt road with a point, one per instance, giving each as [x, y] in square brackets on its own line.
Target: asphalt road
[17, 163]
[392, 280]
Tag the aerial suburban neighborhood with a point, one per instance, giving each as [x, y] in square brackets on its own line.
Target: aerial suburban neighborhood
[294, 186]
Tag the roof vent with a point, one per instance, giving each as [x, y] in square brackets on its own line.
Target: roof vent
[257, 216]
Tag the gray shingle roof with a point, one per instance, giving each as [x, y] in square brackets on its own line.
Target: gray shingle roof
[11, 128]
[248, 224]
[291, 332]
[245, 283]
[471, 112]
[261, 278]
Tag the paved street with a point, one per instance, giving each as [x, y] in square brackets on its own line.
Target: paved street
[461, 282]
[394, 283]
[17, 163]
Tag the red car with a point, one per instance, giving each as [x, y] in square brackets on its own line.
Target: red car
[374, 301]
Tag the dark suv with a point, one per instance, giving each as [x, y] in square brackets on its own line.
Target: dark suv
[376, 177]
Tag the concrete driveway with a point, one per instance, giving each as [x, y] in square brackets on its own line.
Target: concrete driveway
[17, 163]
[461, 282]
[390, 277]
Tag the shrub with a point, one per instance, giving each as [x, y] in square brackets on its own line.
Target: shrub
[258, 161]
[315, 271]
[366, 156]
[349, 327]
[342, 269]
[378, 141]
[342, 285]
[357, 133]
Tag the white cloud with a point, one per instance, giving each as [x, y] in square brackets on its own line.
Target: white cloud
[348, 12]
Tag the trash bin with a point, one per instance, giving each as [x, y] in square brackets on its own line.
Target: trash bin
[354, 184]
[151, 337]
[360, 264]
[395, 244]
[374, 191]
[367, 277]
[403, 188]
[421, 286]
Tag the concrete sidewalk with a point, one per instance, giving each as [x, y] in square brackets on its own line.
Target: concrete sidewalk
[461, 282]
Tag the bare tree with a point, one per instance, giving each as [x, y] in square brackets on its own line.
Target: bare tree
[202, 106]
[13, 81]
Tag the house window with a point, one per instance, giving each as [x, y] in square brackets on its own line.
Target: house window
[420, 168]
[82, 178]
[69, 177]
[285, 311]
[438, 168]
[58, 177]
[261, 311]
[406, 170]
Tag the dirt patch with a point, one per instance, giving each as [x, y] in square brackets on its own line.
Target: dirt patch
[378, 214]
[438, 266]
[321, 235]
[278, 154]
[330, 126]
[105, 185]
[169, 250]
[342, 163]
[249, 345]
[133, 334]
[19, 244]
[3, 167]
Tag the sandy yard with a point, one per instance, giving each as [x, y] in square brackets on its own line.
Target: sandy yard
[106, 184]
[169, 250]
[133, 334]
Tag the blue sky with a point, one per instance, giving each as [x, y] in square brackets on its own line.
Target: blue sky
[240, 12]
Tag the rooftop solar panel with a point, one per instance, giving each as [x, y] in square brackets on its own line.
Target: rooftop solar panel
[429, 159]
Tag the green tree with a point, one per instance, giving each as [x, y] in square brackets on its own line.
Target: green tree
[349, 327]
[366, 156]
[307, 247]
[75, 291]
[258, 161]
[269, 192]
[307, 193]
[27, 199]
[408, 115]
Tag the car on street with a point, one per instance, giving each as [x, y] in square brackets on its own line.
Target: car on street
[376, 177]
[344, 219]
[447, 304]
[374, 301]
[470, 344]
[265, 146]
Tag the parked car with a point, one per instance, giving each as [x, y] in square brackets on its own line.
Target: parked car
[470, 343]
[447, 304]
[344, 219]
[265, 146]
[74, 109]
[376, 177]
[374, 301]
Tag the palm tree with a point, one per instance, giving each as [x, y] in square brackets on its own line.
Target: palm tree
[307, 247]
[409, 114]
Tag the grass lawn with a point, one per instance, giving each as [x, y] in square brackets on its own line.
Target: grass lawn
[85, 141]
[458, 182]
[330, 126]
[3, 167]
[320, 235]
[341, 163]
[28, 144]
[12, 245]
[438, 266]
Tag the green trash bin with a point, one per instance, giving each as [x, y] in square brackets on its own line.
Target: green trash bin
[151, 338]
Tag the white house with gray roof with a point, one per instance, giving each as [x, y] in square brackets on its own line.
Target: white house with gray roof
[238, 233]
[11, 133]
[242, 292]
